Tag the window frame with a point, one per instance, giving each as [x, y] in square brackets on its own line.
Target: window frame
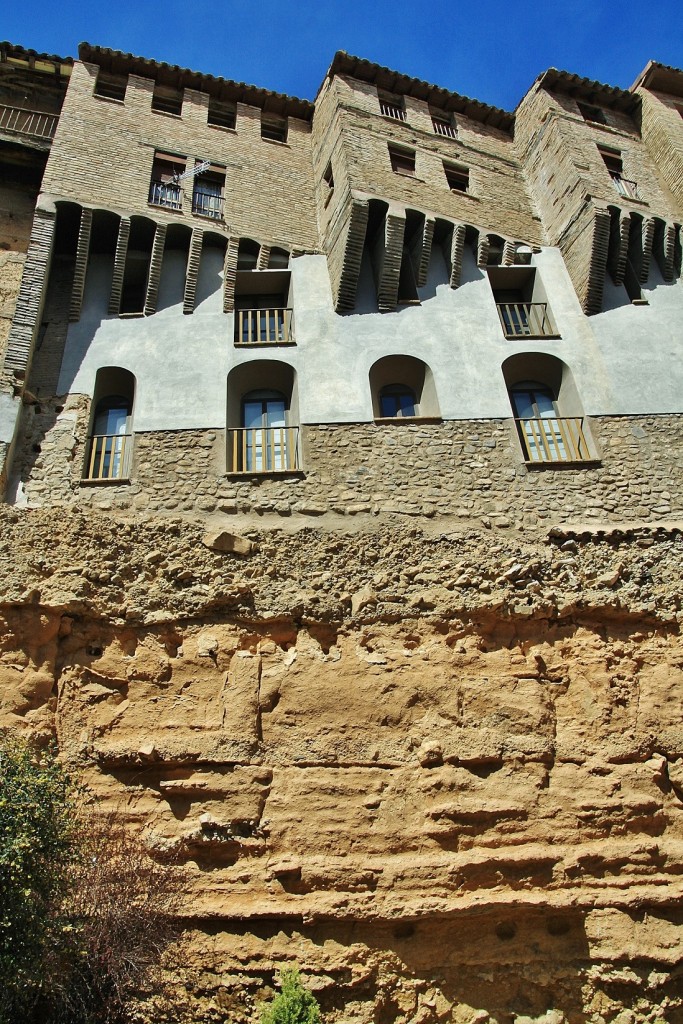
[403, 160]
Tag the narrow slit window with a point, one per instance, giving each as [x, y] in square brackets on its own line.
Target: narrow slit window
[328, 176]
[402, 160]
[458, 178]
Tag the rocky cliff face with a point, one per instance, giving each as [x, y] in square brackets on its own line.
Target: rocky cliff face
[441, 771]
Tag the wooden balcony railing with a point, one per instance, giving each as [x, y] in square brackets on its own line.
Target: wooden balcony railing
[109, 457]
[163, 193]
[264, 326]
[626, 188]
[443, 127]
[28, 122]
[207, 204]
[263, 449]
[526, 320]
[392, 110]
[553, 439]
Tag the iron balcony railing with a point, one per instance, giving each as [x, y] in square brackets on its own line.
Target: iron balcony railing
[263, 450]
[626, 188]
[392, 110]
[28, 122]
[207, 204]
[109, 457]
[553, 439]
[164, 193]
[526, 320]
[264, 326]
[443, 127]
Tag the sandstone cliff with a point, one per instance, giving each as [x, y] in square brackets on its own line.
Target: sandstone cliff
[441, 771]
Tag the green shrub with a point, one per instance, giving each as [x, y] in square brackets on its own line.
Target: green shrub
[294, 1005]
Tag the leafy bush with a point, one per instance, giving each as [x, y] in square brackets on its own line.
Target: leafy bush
[294, 1005]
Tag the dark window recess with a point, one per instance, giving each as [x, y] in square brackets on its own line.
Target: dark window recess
[402, 160]
[111, 87]
[612, 160]
[273, 128]
[407, 286]
[221, 115]
[458, 178]
[328, 177]
[207, 193]
[397, 400]
[166, 100]
[164, 189]
[591, 113]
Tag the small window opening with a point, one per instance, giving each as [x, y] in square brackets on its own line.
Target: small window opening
[591, 113]
[397, 400]
[392, 105]
[166, 100]
[207, 193]
[111, 87]
[612, 160]
[458, 178]
[221, 115]
[444, 124]
[402, 160]
[164, 188]
[273, 128]
[328, 177]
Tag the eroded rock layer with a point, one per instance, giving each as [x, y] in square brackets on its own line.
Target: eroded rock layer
[441, 771]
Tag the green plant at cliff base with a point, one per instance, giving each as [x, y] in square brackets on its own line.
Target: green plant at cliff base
[294, 1005]
[37, 850]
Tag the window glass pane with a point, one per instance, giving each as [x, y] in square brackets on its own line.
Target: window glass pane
[523, 403]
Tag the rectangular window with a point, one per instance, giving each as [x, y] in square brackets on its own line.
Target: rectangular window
[591, 113]
[273, 128]
[111, 87]
[615, 165]
[166, 100]
[164, 187]
[443, 124]
[207, 193]
[458, 178]
[328, 176]
[221, 115]
[402, 160]
[392, 105]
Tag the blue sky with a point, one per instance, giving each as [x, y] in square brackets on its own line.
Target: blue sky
[491, 51]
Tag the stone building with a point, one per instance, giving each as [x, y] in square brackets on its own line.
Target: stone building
[417, 728]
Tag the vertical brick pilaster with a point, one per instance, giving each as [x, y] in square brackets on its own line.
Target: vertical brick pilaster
[155, 264]
[119, 266]
[230, 274]
[31, 293]
[387, 258]
[483, 247]
[664, 248]
[81, 265]
[592, 302]
[420, 247]
[509, 253]
[647, 236]
[353, 255]
[263, 258]
[620, 229]
[453, 247]
[193, 261]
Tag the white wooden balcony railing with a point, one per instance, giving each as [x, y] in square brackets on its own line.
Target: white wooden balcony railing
[264, 326]
[392, 110]
[553, 439]
[263, 449]
[28, 122]
[626, 188]
[207, 204]
[526, 320]
[443, 127]
[163, 193]
[109, 457]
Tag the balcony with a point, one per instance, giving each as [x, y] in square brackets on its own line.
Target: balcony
[442, 126]
[263, 450]
[28, 122]
[163, 193]
[264, 327]
[109, 457]
[392, 110]
[526, 320]
[553, 439]
[207, 204]
[626, 188]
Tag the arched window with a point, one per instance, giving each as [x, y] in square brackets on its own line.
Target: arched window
[397, 400]
[110, 447]
[262, 415]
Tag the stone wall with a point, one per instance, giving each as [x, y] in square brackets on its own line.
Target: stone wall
[470, 471]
